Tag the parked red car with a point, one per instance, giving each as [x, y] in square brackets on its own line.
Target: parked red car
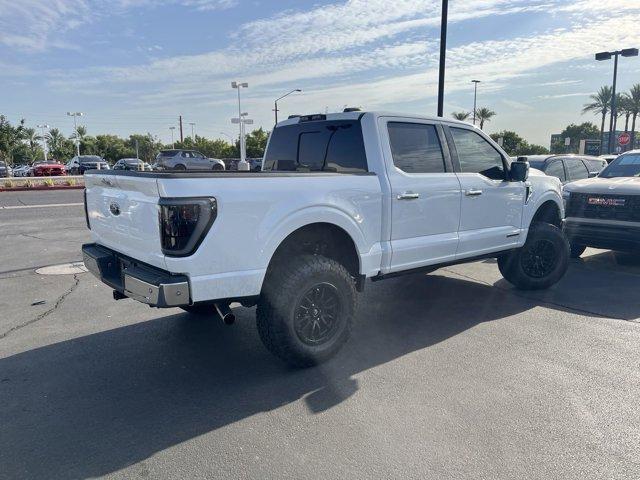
[47, 169]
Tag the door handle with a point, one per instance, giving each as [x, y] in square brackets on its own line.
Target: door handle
[473, 193]
[408, 196]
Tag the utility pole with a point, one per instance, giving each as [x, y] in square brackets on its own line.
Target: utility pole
[193, 137]
[181, 136]
[475, 98]
[241, 120]
[75, 115]
[278, 99]
[173, 145]
[443, 54]
[44, 127]
[137, 150]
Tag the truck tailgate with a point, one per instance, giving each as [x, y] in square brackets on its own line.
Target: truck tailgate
[123, 215]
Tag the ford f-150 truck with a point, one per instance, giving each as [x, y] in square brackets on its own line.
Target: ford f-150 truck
[342, 198]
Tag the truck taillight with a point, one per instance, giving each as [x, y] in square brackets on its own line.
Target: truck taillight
[184, 222]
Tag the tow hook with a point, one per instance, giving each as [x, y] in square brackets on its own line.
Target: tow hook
[225, 313]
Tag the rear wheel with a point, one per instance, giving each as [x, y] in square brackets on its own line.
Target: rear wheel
[306, 310]
[577, 250]
[180, 167]
[217, 167]
[541, 262]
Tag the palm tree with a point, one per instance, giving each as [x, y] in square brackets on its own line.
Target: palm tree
[462, 116]
[55, 138]
[624, 109]
[600, 105]
[483, 114]
[634, 106]
[33, 138]
[80, 133]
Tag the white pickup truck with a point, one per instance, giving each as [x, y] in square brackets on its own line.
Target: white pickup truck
[341, 198]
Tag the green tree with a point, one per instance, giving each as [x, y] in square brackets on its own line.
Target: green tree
[257, 143]
[462, 116]
[148, 146]
[11, 140]
[60, 147]
[624, 109]
[484, 114]
[34, 150]
[515, 145]
[600, 105]
[584, 131]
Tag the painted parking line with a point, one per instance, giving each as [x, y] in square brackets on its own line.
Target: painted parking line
[50, 205]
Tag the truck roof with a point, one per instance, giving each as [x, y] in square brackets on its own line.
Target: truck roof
[356, 115]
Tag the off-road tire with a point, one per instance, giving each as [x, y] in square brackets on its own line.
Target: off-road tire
[577, 250]
[513, 266]
[283, 294]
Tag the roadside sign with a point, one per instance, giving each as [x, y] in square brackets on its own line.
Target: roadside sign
[567, 141]
[589, 147]
[624, 139]
[618, 149]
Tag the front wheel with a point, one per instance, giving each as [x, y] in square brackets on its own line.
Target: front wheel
[541, 262]
[306, 310]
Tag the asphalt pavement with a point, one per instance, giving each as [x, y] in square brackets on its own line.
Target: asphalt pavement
[450, 375]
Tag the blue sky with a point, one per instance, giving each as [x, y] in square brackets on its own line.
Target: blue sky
[132, 66]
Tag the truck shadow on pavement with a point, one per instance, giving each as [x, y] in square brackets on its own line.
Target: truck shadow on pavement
[97, 404]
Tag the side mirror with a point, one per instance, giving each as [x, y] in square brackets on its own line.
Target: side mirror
[593, 174]
[519, 171]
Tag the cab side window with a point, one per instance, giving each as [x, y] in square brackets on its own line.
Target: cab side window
[576, 169]
[415, 147]
[476, 155]
[556, 169]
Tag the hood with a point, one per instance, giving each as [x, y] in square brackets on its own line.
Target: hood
[617, 185]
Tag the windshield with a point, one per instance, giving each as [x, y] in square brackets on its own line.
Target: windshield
[91, 158]
[624, 166]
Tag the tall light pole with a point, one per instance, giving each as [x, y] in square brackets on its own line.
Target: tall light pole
[173, 145]
[75, 115]
[44, 127]
[278, 99]
[242, 164]
[627, 52]
[443, 55]
[475, 98]
[193, 137]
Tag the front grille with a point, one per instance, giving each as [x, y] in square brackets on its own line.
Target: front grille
[609, 207]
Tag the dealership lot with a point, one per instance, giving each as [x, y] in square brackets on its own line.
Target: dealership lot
[448, 375]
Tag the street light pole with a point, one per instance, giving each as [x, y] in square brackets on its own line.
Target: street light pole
[627, 52]
[44, 127]
[173, 145]
[193, 137]
[443, 54]
[242, 164]
[75, 115]
[475, 98]
[278, 99]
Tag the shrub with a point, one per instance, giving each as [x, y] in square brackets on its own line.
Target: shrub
[8, 184]
[71, 182]
[29, 183]
[48, 182]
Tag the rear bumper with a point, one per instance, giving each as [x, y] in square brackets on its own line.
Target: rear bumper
[613, 235]
[141, 282]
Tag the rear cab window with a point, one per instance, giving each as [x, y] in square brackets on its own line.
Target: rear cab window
[317, 146]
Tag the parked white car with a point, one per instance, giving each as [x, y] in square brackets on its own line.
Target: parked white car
[22, 171]
[342, 198]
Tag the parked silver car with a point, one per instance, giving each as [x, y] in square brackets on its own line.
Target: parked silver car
[187, 160]
[5, 170]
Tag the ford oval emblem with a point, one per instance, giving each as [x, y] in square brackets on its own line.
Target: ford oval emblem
[114, 208]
